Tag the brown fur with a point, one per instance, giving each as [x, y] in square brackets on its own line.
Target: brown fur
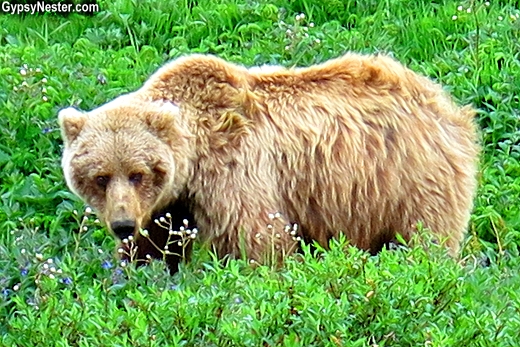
[358, 145]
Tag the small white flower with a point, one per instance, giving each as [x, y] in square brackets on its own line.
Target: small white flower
[317, 41]
[311, 24]
[166, 247]
[270, 216]
[23, 251]
[454, 17]
[88, 210]
[487, 3]
[168, 215]
[179, 243]
[195, 230]
[269, 226]
[25, 66]
[302, 15]
[156, 221]
[193, 236]
[123, 264]
[125, 241]
[460, 8]
[46, 266]
[287, 47]
[39, 256]
[44, 80]
[100, 251]
[162, 220]
[148, 256]
[144, 232]
[185, 222]
[23, 72]
[297, 17]
[468, 10]
[52, 269]
[16, 287]
[85, 228]
[60, 271]
[51, 276]
[130, 238]
[500, 18]
[120, 250]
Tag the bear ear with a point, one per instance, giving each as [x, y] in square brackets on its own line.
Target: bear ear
[161, 117]
[71, 123]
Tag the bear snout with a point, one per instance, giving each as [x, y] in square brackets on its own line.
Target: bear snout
[123, 228]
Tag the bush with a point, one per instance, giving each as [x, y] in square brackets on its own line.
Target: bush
[61, 283]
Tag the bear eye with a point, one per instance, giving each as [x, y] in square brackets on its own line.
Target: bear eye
[102, 181]
[136, 178]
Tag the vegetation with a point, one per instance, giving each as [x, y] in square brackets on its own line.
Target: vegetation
[61, 283]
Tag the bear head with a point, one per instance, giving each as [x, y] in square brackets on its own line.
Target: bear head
[118, 158]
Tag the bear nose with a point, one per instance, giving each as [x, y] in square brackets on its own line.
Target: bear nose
[123, 228]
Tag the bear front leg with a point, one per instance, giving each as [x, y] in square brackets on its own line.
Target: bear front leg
[164, 238]
[159, 244]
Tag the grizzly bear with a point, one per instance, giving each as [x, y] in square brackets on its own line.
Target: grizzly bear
[358, 145]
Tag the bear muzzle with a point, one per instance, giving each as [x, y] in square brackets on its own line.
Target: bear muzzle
[123, 228]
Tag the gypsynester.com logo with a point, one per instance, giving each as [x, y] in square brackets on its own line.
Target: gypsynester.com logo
[40, 7]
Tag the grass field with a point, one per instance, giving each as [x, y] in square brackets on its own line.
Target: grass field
[60, 282]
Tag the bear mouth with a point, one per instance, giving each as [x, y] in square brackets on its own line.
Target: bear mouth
[123, 229]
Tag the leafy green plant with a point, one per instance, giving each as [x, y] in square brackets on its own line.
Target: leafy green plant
[62, 284]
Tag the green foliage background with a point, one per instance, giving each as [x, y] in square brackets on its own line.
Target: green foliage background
[60, 284]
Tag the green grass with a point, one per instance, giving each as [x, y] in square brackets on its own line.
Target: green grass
[60, 281]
